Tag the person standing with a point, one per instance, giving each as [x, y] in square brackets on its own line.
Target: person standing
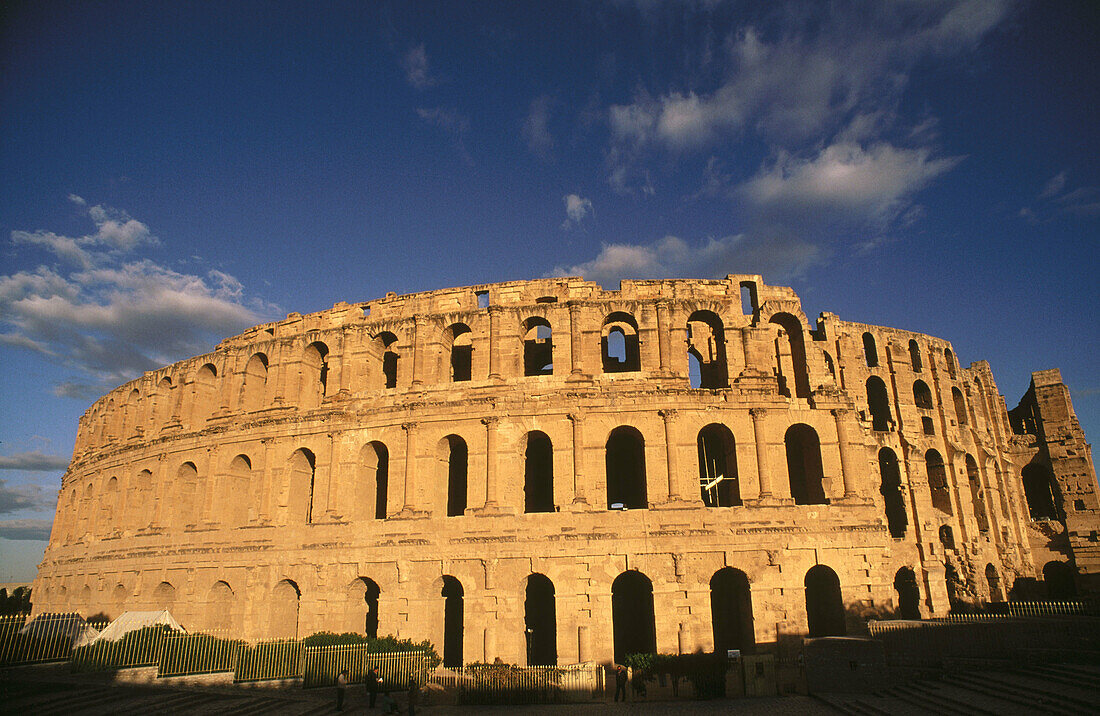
[341, 687]
[414, 694]
[620, 682]
[373, 681]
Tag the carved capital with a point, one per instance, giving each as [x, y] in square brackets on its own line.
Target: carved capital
[840, 413]
[577, 418]
[667, 413]
[409, 427]
[758, 413]
[490, 421]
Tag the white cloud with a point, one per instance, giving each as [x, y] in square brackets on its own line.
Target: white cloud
[576, 209]
[33, 461]
[415, 64]
[864, 184]
[536, 128]
[672, 257]
[14, 498]
[109, 315]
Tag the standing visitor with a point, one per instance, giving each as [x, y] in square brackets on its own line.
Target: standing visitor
[341, 687]
[620, 682]
[373, 681]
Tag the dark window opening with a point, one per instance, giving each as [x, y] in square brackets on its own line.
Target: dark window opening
[890, 487]
[829, 364]
[927, 425]
[976, 494]
[937, 481]
[538, 473]
[707, 344]
[914, 357]
[1079, 506]
[546, 299]
[824, 605]
[922, 396]
[1058, 576]
[452, 622]
[457, 460]
[387, 342]
[960, 405]
[949, 358]
[994, 581]
[731, 611]
[947, 537]
[718, 467]
[632, 615]
[870, 351]
[462, 353]
[625, 464]
[538, 347]
[378, 462]
[540, 622]
[370, 599]
[955, 587]
[317, 357]
[878, 403]
[302, 477]
[1040, 491]
[620, 347]
[804, 465]
[791, 339]
[905, 583]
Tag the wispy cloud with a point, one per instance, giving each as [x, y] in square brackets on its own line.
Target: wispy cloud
[536, 127]
[34, 461]
[1054, 200]
[415, 64]
[576, 209]
[110, 314]
[24, 497]
[453, 124]
[38, 530]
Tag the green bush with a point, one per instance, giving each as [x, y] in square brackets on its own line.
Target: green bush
[501, 683]
[140, 647]
[381, 645]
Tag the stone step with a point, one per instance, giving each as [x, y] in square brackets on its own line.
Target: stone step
[1024, 693]
[942, 699]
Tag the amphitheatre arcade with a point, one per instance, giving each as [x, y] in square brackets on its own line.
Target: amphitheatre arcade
[551, 472]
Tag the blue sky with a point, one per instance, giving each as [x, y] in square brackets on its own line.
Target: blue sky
[175, 172]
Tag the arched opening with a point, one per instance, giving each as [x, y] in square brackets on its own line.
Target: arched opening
[905, 583]
[363, 607]
[947, 537]
[219, 606]
[922, 396]
[994, 581]
[791, 341]
[949, 358]
[285, 598]
[386, 344]
[829, 364]
[878, 403]
[462, 352]
[254, 383]
[625, 464]
[540, 621]
[119, 595]
[1058, 576]
[955, 587]
[718, 467]
[870, 350]
[824, 604]
[141, 497]
[452, 622]
[731, 611]
[960, 405]
[914, 357]
[707, 344]
[1040, 491]
[110, 506]
[164, 596]
[890, 487]
[203, 394]
[314, 374]
[456, 456]
[538, 347]
[976, 494]
[619, 343]
[238, 492]
[302, 476]
[374, 464]
[749, 304]
[632, 615]
[804, 465]
[186, 504]
[538, 473]
[937, 481]
[162, 402]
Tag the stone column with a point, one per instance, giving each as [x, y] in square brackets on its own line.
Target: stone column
[575, 342]
[759, 432]
[414, 339]
[408, 508]
[662, 338]
[847, 470]
[579, 501]
[490, 424]
[494, 343]
[672, 458]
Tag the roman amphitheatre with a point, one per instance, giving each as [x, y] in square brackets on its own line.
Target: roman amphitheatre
[550, 472]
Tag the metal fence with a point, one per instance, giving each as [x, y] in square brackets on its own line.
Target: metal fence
[321, 664]
[268, 661]
[507, 684]
[207, 653]
[48, 637]
[141, 647]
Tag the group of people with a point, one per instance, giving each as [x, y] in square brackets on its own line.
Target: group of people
[620, 683]
[375, 697]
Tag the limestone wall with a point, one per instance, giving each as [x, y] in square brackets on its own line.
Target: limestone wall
[273, 486]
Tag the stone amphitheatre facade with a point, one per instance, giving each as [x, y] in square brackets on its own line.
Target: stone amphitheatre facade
[547, 471]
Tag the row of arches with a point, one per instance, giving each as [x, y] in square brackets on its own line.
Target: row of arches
[237, 494]
[871, 357]
[878, 405]
[939, 488]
